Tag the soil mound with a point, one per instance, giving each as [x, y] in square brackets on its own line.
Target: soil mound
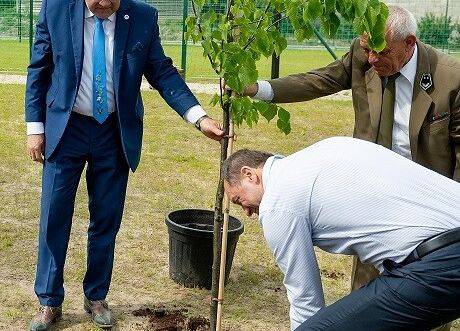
[162, 319]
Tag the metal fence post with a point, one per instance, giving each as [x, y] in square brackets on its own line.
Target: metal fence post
[31, 26]
[20, 20]
[276, 59]
[324, 42]
[184, 42]
[446, 24]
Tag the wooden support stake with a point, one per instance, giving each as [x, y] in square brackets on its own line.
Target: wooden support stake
[223, 254]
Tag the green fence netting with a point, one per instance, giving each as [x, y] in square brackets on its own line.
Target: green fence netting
[439, 22]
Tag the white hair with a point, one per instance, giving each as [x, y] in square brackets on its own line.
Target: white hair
[401, 23]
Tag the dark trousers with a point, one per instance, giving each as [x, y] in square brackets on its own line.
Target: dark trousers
[417, 296]
[85, 141]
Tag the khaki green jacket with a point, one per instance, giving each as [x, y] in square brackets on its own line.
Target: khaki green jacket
[434, 124]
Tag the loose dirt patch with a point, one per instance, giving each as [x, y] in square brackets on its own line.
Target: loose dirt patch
[332, 274]
[162, 319]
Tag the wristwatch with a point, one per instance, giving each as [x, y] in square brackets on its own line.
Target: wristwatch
[198, 122]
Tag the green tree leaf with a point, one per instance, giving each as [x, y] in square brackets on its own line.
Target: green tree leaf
[236, 111]
[377, 34]
[284, 127]
[360, 7]
[252, 116]
[283, 122]
[283, 114]
[247, 75]
[261, 107]
[234, 83]
[217, 34]
[207, 47]
[199, 3]
[209, 18]
[308, 31]
[234, 44]
[271, 111]
[346, 9]
[264, 43]
[376, 5]
[268, 111]
[216, 50]
[329, 6]
[313, 10]
[215, 99]
[330, 25]
[280, 45]
[299, 35]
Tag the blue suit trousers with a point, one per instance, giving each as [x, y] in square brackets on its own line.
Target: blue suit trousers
[84, 142]
[417, 296]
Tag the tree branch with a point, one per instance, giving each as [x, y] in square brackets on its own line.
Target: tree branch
[213, 65]
[253, 37]
[252, 22]
[230, 4]
[227, 17]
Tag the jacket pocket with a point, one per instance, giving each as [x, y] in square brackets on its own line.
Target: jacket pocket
[437, 125]
[134, 56]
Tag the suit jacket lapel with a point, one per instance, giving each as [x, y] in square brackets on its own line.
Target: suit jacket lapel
[76, 14]
[421, 100]
[374, 96]
[122, 27]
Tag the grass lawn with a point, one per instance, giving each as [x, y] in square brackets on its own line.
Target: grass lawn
[14, 57]
[255, 296]
[178, 170]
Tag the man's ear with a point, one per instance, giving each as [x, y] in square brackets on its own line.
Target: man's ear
[246, 172]
[251, 174]
[410, 41]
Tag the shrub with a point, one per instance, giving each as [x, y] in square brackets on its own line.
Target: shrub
[435, 30]
[454, 39]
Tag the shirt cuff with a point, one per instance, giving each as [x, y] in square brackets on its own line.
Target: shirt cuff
[35, 128]
[265, 91]
[194, 113]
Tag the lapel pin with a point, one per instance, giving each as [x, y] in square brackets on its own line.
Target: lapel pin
[126, 17]
[426, 82]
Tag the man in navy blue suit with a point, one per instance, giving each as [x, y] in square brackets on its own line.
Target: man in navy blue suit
[83, 107]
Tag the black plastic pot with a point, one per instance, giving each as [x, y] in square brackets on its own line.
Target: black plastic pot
[191, 246]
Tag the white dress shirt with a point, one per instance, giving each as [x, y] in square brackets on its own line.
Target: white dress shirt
[353, 197]
[84, 101]
[403, 102]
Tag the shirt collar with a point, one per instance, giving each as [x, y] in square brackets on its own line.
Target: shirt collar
[267, 169]
[266, 175]
[410, 68]
[89, 13]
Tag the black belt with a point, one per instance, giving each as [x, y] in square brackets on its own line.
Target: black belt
[432, 244]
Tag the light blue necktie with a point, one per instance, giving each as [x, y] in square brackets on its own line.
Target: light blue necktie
[100, 107]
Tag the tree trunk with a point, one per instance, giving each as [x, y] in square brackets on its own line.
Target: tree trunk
[218, 218]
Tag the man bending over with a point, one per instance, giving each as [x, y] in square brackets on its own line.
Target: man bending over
[349, 196]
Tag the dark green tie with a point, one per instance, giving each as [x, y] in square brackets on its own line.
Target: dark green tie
[384, 137]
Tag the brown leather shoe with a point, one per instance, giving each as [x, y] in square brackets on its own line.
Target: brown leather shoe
[45, 317]
[100, 313]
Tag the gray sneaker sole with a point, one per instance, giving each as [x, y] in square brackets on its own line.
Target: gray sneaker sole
[102, 326]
